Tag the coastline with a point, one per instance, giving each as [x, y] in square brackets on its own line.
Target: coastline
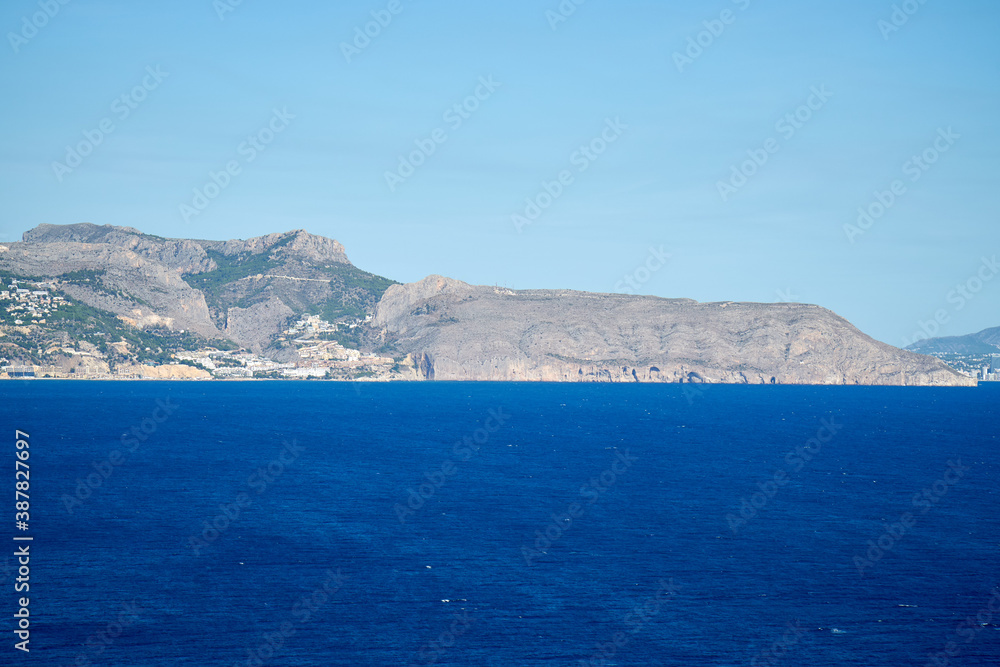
[979, 383]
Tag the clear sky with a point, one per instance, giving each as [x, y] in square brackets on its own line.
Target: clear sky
[309, 115]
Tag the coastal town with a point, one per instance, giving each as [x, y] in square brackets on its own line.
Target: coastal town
[317, 357]
[984, 367]
[27, 303]
[310, 348]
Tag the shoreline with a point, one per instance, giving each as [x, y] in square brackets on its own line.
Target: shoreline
[978, 384]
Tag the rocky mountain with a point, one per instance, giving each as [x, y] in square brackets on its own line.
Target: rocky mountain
[458, 331]
[984, 342]
[241, 291]
[125, 297]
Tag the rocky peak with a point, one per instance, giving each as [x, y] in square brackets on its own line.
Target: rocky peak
[83, 232]
[297, 244]
[179, 254]
[400, 300]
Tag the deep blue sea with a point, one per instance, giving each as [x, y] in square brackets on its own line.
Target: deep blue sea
[309, 523]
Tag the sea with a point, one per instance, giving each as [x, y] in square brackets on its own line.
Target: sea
[498, 524]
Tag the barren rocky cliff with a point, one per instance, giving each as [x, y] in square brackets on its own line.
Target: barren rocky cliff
[464, 332]
[247, 291]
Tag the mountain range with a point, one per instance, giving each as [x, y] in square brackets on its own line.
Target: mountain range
[130, 296]
[986, 341]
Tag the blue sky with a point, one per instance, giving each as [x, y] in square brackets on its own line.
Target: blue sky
[660, 134]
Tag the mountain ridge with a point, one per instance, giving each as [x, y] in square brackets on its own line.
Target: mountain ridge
[465, 332]
[246, 292]
[986, 341]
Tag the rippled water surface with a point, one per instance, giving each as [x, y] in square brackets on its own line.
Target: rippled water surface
[312, 523]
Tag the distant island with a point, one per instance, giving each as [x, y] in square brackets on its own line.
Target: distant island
[106, 302]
